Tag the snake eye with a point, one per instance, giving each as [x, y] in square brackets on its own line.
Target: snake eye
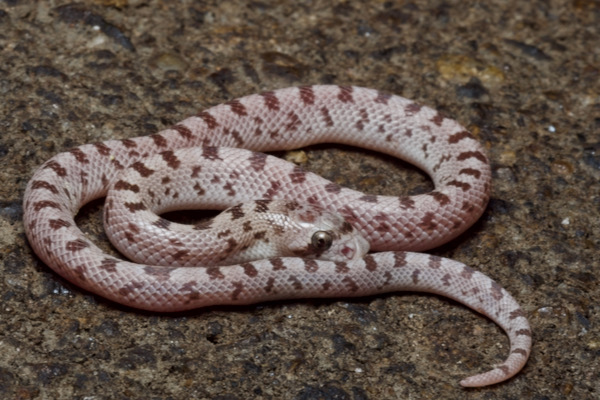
[321, 240]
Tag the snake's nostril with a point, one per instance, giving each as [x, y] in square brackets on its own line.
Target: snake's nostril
[348, 252]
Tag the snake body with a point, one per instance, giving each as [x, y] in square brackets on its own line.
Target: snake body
[181, 167]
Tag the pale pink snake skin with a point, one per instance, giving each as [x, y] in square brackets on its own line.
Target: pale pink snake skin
[279, 120]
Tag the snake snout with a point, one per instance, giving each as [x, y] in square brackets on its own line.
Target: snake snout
[357, 249]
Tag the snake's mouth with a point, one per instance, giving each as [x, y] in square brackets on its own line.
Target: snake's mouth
[356, 250]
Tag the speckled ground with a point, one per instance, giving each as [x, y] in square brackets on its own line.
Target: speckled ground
[522, 75]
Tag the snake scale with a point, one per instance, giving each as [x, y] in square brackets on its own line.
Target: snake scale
[209, 160]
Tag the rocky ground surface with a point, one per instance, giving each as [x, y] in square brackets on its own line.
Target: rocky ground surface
[522, 76]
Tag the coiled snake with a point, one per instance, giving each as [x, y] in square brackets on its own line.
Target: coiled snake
[180, 167]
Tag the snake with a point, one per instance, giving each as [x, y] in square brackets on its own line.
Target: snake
[286, 233]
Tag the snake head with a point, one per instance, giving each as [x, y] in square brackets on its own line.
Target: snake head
[321, 234]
